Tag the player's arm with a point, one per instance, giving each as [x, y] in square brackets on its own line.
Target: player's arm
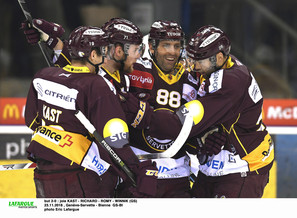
[208, 111]
[138, 111]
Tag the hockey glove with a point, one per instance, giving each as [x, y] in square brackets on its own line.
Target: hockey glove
[214, 143]
[210, 143]
[146, 179]
[32, 34]
[138, 112]
[44, 31]
[145, 174]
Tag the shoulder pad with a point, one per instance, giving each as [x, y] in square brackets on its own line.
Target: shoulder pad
[144, 62]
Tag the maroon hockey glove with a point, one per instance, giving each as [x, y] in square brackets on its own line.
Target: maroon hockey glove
[210, 143]
[46, 31]
[138, 112]
[214, 143]
[49, 32]
[32, 34]
[146, 173]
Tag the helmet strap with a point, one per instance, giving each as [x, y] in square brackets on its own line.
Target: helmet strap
[220, 67]
[96, 65]
[179, 58]
[122, 61]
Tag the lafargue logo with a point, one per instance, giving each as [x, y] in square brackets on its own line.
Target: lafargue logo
[141, 79]
[22, 204]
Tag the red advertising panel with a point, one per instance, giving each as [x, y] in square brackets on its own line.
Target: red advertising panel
[280, 112]
[276, 112]
[12, 111]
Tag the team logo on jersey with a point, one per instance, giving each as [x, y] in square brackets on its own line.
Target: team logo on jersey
[215, 81]
[151, 172]
[156, 144]
[141, 79]
[254, 90]
[189, 92]
[140, 114]
[55, 94]
[116, 132]
[201, 91]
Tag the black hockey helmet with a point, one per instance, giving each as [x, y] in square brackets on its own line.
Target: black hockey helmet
[206, 42]
[85, 38]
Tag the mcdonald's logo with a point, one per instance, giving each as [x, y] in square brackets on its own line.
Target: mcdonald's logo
[11, 111]
[280, 112]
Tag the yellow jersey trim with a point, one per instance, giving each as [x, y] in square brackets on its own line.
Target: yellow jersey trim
[66, 58]
[229, 63]
[262, 155]
[116, 75]
[34, 121]
[74, 69]
[170, 78]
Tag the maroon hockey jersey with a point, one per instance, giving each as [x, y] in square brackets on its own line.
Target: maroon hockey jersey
[54, 97]
[163, 92]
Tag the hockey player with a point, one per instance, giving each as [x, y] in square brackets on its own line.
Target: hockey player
[124, 49]
[161, 83]
[229, 96]
[69, 162]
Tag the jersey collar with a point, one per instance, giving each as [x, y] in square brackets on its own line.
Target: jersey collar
[74, 69]
[170, 78]
[116, 75]
[229, 63]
